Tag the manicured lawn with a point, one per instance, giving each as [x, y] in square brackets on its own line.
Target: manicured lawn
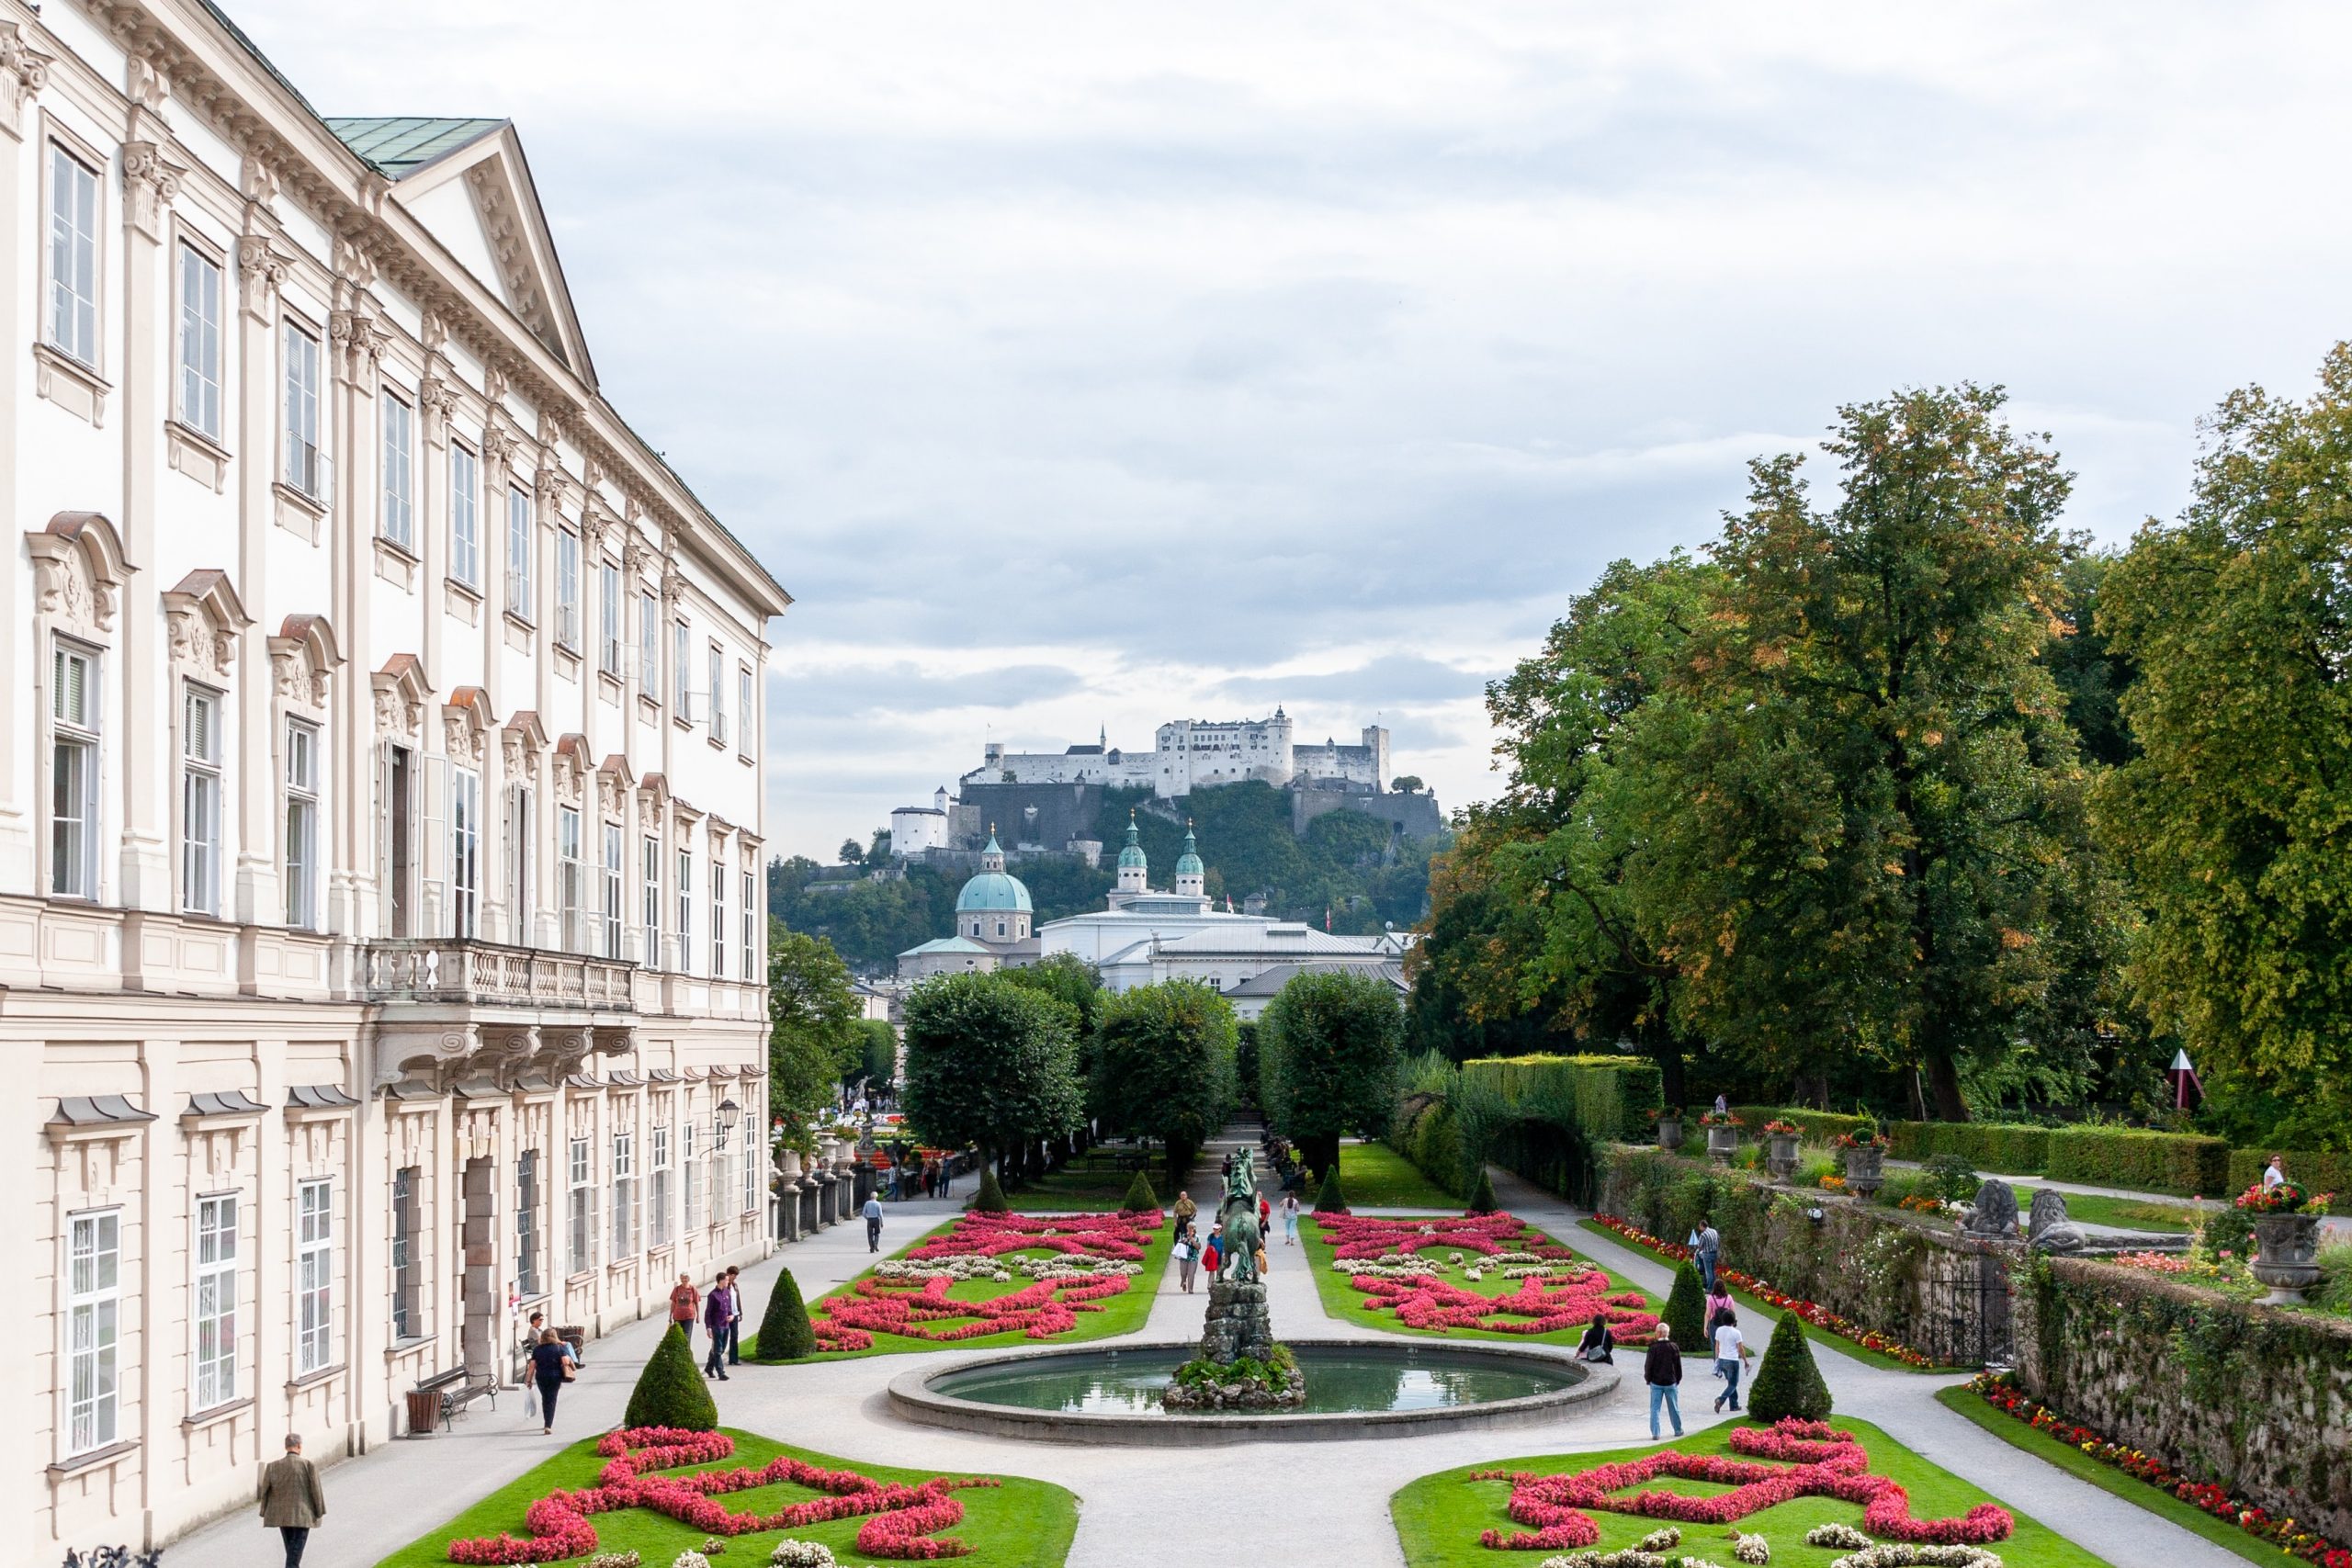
[1375, 1176]
[1122, 1313]
[1820, 1336]
[1438, 1516]
[2105, 1477]
[1022, 1524]
[1343, 1299]
[1072, 1191]
[2123, 1214]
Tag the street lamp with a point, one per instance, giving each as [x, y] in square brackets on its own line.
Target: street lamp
[727, 1111]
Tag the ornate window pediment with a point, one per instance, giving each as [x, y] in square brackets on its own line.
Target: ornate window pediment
[652, 801]
[523, 739]
[572, 769]
[466, 724]
[205, 617]
[303, 656]
[614, 784]
[79, 571]
[402, 691]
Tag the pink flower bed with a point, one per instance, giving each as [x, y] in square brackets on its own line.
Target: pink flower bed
[1358, 1236]
[922, 1309]
[1566, 1297]
[902, 1523]
[1820, 1462]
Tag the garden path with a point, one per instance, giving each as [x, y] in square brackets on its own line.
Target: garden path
[1310, 1503]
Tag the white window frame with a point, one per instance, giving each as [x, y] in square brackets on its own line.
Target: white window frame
[92, 1385]
[624, 1195]
[692, 1165]
[74, 834]
[749, 1166]
[464, 852]
[608, 611]
[198, 385]
[313, 1276]
[751, 928]
[567, 588]
[570, 876]
[685, 912]
[530, 1191]
[518, 554]
[212, 1317]
[300, 837]
[465, 515]
[746, 704]
[304, 464]
[718, 697]
[581, 1234]
[200, 798]
[615, 863]
[657, 1194]
[649, 645]
[519, 850]
[407, 1296]
[396, 521]
[681, 647]
[69, 320]
[652, 867]
[718, 917]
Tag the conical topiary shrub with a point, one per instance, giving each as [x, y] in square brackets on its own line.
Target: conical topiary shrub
[1686, 1312]
[989, 1198]
[1787, 1382]
[784, 1334]
[1140, 1199]
[1482, 1197]
[670, 1391]
[1331, 1200]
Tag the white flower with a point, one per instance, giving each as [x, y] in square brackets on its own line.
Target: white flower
[802, 1555]
[1665, 1539]
[1752, 1549]
[690, 1560]
[1843, 1537]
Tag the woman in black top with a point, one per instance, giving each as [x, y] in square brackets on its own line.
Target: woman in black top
[547, 1357]
[1598, 1341]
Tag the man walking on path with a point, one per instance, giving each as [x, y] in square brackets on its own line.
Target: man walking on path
[734, 1317]
[717, 1311]
[873, 1212]
[1662, 1369]
[685, 1306]
[292, 1501]
[1710, 1246]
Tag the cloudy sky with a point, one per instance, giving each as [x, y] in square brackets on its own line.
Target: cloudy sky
[1087, 365]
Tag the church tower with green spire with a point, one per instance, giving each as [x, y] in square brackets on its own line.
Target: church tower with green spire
[1189, 874]
[1133, 866]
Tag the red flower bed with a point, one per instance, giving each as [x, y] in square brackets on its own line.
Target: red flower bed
[1358, 1236]
[1564, 1297]
[922, 1309]
[1820, 1462]
[2003, 1393]
[902, 1520]
[1813, 1313]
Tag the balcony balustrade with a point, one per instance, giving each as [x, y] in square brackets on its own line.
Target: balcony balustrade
[462, 971]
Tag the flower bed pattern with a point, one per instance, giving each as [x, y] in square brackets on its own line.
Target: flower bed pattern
[2003, 1393]
[1814, 1312]
[1099, 1253]
[1819, 1462]
[1382, 1258]
[903, 1523]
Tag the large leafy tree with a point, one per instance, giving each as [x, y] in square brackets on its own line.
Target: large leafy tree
[814, 1030]
[1327, 1053]
[1164, 1066]
[1872, 830]
[2236, 817]
[988, 1062]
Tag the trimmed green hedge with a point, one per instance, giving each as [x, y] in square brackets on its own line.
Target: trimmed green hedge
[1610, 1097]
[2144, 1161]
[2317, 1172]
[1820, 1126]
[1998, 1147]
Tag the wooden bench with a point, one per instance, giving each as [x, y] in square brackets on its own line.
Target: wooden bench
[453, 1390]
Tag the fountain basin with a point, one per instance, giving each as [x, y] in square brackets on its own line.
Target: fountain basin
[1355, 1389]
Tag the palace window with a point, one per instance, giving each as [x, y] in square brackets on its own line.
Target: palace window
[200, 387]
[608, 612]
[200, 801]
[718, 919]
[566, 587]
[313, 1276]
[464, 520]
[751, 930]
[306, 464]
[723, 1166]
[216, 1300]
[681, 657]
[693, 1169]
[568, 875]
[624, 1196]
[744, 708]
[73, 772]
[519, 901]
[685, 913]
[584, 1211]
[518, 554]
[526, 1224]
[301, 825]
[399, 522]
[751, 1165]
[92, 1329]
[613, 840]
[718, 697]
[649, 645]
[72, 255]
[405, 1293]
[653, 901]
[657, 1199]
[465, 852]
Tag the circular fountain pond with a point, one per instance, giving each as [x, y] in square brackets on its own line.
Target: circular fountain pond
[1354, 1389]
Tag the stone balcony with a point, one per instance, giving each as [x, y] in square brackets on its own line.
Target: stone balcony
[451, 971]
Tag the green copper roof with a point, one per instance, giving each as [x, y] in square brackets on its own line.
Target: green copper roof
[1132, 856]
[1189, 862]
[989, 892]
[399, 145]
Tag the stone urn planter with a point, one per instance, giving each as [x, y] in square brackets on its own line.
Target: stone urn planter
[2287, 1259]
[1865, 1170]
[1780, 1154]
[1669, 1132]
[1722, 1144]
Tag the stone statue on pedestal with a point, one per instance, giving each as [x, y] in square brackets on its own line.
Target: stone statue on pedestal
[1995, 1214]
[2049, 1229]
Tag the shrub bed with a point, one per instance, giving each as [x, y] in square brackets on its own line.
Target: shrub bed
[2313, 1172]
[1999, 1146]
[2139, 1159]
[1428, 1273]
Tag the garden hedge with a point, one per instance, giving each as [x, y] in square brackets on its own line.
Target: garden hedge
[785, 1332]
[988, 1198]
[2142, 1160]
[1788, 1382]
[2000, 1147]
[1140, 1198]
[2316, 1172]
[1609, 1097]
[1820, 1126]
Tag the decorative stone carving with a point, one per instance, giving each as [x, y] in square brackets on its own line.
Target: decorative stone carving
[150, 182]
[550, 483]
[360, 340]
[463, 726]
[24, 71]
[637, 557]
[258, 180]
[438, 399]
[494, 385]
[78, 569]
[435, 332]
[673, 586]
[2049, 1228]
[205, 618]
[353, 264]
[400, 692]
[1996, 1212]
[260, 272]
[568, 781]
[145, 82]
[302, 656]
[498, 442]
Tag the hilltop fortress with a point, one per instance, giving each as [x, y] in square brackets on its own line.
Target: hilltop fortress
[1190, 753]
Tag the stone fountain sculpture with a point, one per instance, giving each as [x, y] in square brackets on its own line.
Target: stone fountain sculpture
[1239, 1329]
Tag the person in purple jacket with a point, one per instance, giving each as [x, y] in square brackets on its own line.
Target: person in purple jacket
[718, 1312]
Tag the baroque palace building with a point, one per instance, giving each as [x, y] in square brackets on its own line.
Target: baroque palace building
[380, 942]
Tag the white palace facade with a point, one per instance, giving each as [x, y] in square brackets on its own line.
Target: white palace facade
[381, 934]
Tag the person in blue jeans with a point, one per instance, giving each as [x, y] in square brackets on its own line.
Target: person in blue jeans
[1662, 1369]
[1709, 1251]
[1731, 1349]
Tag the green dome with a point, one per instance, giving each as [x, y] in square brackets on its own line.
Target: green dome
[1132, 856]
[992, 891]
[1189, 862]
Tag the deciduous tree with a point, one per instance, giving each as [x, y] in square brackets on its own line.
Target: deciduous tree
[814, 1028]
[988, 1062]
[1328, 1049]
[1163, 1065]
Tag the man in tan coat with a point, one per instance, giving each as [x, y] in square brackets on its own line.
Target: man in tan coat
[292, 1501]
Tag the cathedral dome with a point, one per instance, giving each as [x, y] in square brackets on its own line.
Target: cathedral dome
[992, 890]
[1189, 862]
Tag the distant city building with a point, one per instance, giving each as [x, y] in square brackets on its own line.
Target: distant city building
[992, 916]
[1189, 754]
[915, 829]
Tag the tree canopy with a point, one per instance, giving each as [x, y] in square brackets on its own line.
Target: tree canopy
[815, 1027]
[1164, 1064]
[1328, 1050]
[988, 1062]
